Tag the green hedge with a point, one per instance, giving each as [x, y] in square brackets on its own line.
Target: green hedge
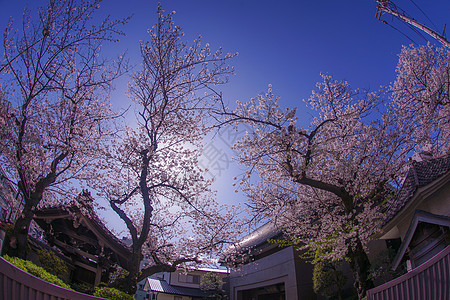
[112, 294]
[53, 264]
[37, 271]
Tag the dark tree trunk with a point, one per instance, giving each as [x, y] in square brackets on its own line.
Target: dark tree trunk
[129, 283]
[18, 242]
[360, 265]
[31, 199]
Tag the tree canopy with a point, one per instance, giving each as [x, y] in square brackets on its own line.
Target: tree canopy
[326, 184]
[54, 101]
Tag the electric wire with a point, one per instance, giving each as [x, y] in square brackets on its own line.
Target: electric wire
[399, 10]
[414, 42]
[432, 23]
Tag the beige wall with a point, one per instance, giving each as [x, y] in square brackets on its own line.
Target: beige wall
[434, 198]
[171, 297]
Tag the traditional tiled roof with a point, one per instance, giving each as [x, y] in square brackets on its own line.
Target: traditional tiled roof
[82, 208]
[161, 286]
[419, 175]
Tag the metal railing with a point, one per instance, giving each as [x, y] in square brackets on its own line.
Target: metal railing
[15, 284]
[431, 280]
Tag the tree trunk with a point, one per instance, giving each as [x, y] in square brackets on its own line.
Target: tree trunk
[128, 284]
[18, 242]
[360, 265]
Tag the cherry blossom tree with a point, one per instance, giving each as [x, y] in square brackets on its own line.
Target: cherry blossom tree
[150, 174]
[54, 101]
[421, 96]
[322, 184]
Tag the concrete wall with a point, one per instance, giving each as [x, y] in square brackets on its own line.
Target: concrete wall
[276, 268]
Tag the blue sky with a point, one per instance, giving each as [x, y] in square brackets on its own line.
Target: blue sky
[283, 43]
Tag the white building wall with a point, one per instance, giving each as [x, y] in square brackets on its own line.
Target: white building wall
[273, 269]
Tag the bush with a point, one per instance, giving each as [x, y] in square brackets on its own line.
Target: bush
[112, 294]
[328, 280]
[53, 264]
[37, 271]
[83, 288]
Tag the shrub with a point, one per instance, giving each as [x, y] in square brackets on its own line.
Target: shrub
[112, 294]
[83, 288]
[328, 280]
[37, 271]
[53, 264]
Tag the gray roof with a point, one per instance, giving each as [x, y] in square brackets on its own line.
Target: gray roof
[419, 175]
[161, 286]
[259, 236]
[254, 239]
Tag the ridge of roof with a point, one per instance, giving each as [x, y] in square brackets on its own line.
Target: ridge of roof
[82, 204]
[162, 286]
[419, 175]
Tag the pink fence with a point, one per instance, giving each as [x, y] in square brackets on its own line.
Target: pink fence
[430, 280]
[16, 284]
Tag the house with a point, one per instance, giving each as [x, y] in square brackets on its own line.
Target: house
[419, 216]
[418, 220]
[264, 270]
[179, 285]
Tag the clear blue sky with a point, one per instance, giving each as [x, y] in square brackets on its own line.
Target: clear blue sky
[283, 43]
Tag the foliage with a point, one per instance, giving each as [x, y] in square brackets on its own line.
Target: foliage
[322, 184]
[421, 98]
[150, 175]
[37, 271]
[83, 288]
[118, 274]
[119, 279]
[328, 280]
[381, 268]
[53, 264]
[53, 101]
[212, 282]
[111, 293]
[9, 230]
[326, 184]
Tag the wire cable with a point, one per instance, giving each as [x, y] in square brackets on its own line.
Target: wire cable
[414, 42]
[434, 25]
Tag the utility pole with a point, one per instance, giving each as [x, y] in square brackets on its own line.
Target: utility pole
[390, 8]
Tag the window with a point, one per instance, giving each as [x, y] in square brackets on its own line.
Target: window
[186, 278]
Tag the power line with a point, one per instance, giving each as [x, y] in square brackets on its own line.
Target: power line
[389, 7]
[432, 23]
[401, 32]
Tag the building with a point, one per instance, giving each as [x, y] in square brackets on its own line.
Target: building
[178, 285]
[419, 217]
[266, 271]
[91, 251]
[418, 220]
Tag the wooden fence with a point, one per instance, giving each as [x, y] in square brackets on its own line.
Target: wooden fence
[430, 280]
[16, 284]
